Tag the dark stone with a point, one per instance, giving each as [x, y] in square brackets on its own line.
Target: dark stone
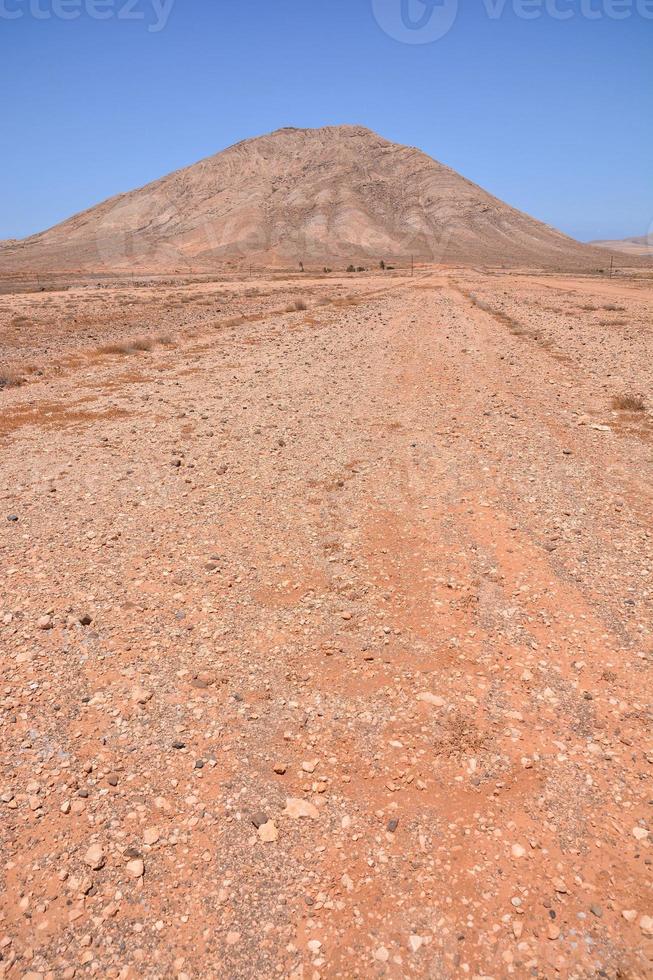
[178, 745]
[12, 518]
[259, 818]
[392, 826]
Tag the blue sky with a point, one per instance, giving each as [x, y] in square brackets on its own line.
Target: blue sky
[554, 116]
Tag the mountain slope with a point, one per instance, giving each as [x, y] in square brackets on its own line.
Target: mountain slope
[319, 196]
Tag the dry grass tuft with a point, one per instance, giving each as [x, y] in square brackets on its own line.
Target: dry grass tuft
[10, 379]
[142, 343]
[297, 306]
[629, 403]
[128, 346]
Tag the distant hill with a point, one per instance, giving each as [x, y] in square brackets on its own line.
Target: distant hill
[642, 245]
[336, 195]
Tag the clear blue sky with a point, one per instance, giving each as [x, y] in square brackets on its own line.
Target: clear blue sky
[554, 116]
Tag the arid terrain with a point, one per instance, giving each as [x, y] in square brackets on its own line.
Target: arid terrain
[640, 245]
[325, 626]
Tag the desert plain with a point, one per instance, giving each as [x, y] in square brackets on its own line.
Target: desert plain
[325, 625]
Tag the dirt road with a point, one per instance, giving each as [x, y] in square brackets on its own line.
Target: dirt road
[326, 640]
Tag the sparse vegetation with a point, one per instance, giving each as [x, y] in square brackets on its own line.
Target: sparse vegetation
[629, 403]
[10, 379]
[295, 307]
[351, 268]
[129, 346]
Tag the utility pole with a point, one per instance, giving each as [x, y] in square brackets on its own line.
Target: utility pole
[412, 265]
[611, 265]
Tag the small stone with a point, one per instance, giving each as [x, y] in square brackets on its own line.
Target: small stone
[45, 623]
[112, 779]
[381, 954]
[280, 769]
[259, 818]
[433, 699]
[640, 833]
[392, 825]
[629, 915]
[141, 696]
[314, 946]
[415, 942]
[12, 518]
[553, 931]
[517, 851]
[297, 809]
[596, 910]
[94, 857]
[309, 766]
[151, 835]
[177, 744]
[135, 868]
[85, 619]
[268, 832]
[646, 925]
[233, 938]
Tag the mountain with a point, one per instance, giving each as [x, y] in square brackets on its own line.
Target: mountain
[330, 196]
[641, 245]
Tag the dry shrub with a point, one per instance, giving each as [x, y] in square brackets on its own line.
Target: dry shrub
[142, 343]
[297, 306]
[612, 308]
[10, 379]
[128, 346]
[612, 323]
[629, 403]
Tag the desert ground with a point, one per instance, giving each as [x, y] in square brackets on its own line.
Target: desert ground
[325, 626]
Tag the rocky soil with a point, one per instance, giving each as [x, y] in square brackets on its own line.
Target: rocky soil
[325, 633]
